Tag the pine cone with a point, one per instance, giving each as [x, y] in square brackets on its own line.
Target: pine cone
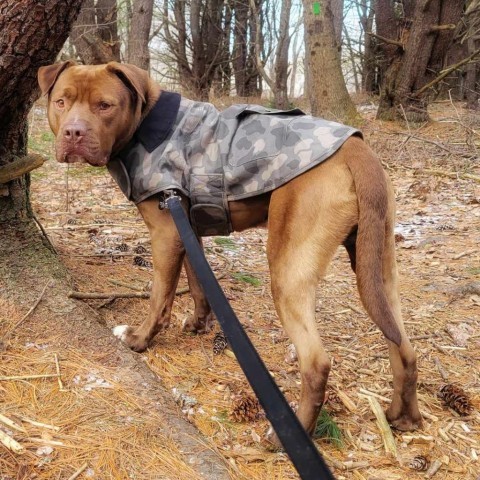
[99, 220]
[245, 407]
[123, 247]
[456, 398]
[72, 221]
[140, 249]
[220, 343]
[141, 262]
[419, 463]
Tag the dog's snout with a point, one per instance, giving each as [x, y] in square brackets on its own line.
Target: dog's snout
[75, 131]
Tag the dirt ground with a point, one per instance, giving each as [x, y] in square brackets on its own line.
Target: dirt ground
[434, 167]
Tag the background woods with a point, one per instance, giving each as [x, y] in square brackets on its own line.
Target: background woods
[408, 52]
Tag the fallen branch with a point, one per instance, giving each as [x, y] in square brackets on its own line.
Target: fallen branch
[20, 167]
[115, 295]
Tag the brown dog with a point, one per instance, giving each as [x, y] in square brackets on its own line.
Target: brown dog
[95, 110]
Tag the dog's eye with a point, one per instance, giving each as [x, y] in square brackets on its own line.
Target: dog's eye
[104, 106]
[60, 104]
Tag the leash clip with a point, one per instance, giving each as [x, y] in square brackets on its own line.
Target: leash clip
[164, 196]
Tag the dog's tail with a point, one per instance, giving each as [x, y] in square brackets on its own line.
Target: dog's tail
[372, 194]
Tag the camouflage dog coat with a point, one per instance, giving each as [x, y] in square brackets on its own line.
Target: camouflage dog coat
[215, 157]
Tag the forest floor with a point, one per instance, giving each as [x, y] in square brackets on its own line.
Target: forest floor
[100, 238]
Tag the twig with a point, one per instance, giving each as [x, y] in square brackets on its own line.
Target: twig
[112, 295]
[10, 443]
[28, 377]
[59, 379]
[29, 312]
[40, 226]
[78, 472]
[440, 368]
[443, 173]
[387, 40]
[209, 360]
[385, 431]
[10, 423]
[39, 424]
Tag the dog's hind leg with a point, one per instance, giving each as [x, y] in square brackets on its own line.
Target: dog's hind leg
[403, 412]
[306, 226]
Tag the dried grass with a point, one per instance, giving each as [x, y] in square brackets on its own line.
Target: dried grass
[96, 421]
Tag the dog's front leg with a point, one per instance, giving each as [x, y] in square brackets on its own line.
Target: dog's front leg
[202, 319]
[168, 254]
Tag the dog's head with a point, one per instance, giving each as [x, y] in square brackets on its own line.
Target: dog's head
[93, 110]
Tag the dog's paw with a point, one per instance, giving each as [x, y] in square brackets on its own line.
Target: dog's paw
[404, 422]
[125, 334]
[198, 325]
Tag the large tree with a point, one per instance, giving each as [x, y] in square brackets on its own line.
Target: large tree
[326, 87]
[23, 50]
[413, 37]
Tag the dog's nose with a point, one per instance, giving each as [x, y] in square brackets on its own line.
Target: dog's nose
[75, 131]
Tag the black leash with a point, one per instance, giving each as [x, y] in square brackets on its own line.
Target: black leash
[298, 445]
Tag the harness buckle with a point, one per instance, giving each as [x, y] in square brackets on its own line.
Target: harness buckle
[164, 196]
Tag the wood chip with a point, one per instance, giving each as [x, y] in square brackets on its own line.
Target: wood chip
[10, 443]
[384, 427]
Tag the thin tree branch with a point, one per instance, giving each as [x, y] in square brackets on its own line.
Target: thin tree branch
[387, 40]
[446, 72]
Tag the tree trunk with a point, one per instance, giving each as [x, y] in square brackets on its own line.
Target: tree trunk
[139, 34]
[415, 55]
[327, 91]
[94, 34]
[366, 15]
[24, 47]
[281, 57]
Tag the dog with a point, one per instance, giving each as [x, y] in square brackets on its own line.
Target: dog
[95, 111]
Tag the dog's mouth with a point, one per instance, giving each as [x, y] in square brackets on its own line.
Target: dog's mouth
[81, 154]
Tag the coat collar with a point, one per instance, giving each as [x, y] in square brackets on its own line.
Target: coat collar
[157, 125]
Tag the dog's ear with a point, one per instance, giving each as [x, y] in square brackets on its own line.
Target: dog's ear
[136, 79]
[47, 76]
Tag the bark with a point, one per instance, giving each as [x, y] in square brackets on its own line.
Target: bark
[95, 34]
[415, 54]
[24, 47]
[327, 91]
[139, 33]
